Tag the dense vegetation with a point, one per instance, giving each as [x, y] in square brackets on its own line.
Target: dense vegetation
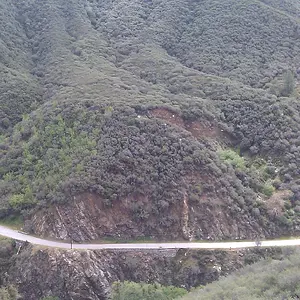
[81, 81]
[268, 279]
[9, 293]
[138, 291]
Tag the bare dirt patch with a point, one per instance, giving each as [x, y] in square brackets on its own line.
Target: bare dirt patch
[275, 204]
[196, 128]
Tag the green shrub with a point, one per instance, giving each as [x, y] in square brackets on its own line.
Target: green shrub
[20, 201]
[233, 158]
[268, 189]
[142, 291]
[285, 221]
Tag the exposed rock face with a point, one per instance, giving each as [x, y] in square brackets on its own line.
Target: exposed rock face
[67, 274]
[87, 218]
[76, 275]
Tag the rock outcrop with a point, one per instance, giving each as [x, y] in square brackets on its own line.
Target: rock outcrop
[74, 275]
[87, 218]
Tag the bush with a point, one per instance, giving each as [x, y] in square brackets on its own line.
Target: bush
[233, 158]
[142, 291]
[21, 201]
[268, 189]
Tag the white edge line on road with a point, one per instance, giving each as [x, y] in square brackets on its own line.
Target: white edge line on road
[16, 235]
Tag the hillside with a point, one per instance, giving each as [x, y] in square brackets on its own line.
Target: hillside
[271, 278]
[268, 279]
[154, 119]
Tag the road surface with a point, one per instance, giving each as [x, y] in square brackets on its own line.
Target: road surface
[7, 232]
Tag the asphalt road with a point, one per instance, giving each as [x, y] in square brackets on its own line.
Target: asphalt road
[7, 232]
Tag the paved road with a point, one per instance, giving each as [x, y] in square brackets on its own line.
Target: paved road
[4, 231]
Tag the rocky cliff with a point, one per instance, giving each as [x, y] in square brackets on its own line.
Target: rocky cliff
[87, 219]
[76, 275]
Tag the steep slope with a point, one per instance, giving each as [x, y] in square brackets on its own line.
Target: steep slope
[268, 279]
[245, 41]
[151, 118]
[70, 274]
[19, 90]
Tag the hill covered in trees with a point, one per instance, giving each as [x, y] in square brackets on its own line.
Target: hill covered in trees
[164, 119]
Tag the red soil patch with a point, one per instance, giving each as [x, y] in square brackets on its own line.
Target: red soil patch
[199, 130]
